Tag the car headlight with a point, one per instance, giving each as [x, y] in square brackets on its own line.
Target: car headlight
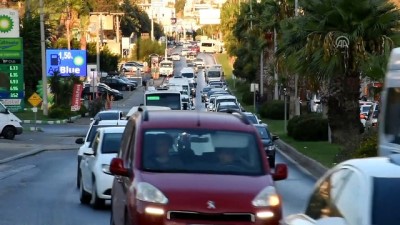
[269, 148]
[105, 168]
[148, 193]
[266, 197]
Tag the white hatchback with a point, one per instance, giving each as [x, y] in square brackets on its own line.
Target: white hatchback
[96, 180]
[86, 143]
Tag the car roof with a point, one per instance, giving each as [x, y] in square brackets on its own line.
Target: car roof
[376, 166]
[136, 108]
[108, 130]
[110, 111]
[226, 97]
[110, 122]
[195, 119]
[227, 103]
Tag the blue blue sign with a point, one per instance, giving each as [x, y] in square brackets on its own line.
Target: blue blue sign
[66, 62]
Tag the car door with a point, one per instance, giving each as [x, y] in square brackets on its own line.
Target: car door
[121, 184]
[336, 196]
[88, 162]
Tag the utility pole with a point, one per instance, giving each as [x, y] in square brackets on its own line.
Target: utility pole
[296, 76]
[276, 90]
[117, 24]
[43, 56]
[99, 39]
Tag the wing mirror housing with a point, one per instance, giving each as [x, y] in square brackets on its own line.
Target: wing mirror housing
[275, 137]
[88, 152]
[79, 141]
[117, 168]
[281, 172]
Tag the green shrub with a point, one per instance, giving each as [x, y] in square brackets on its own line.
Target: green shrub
[368, 145]
[60, 112]
[310, 128]
[248, 98]
[292, 123]
[274, 110]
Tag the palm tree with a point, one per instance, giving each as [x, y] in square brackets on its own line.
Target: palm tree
[336, 40]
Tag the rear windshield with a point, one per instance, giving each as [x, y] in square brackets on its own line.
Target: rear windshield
[108, 116]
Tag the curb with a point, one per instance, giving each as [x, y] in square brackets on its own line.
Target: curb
[51, 121]
[30, 153]
[305, 163]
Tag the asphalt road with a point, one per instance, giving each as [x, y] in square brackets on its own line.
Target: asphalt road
[41, 189]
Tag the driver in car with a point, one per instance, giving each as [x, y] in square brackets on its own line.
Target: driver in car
[227, 157]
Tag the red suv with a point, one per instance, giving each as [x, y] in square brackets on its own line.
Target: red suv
[186, 168]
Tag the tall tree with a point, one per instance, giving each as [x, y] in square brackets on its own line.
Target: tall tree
[335, 40]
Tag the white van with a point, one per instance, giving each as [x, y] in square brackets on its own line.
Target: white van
[166, 68]
[10, 125]
[182, 83]
[189, 73]
[214, 74]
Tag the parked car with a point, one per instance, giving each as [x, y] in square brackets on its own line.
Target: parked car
[355, 192]
[96, 181]
[102, 92]
[177, 167]
[86, 143]
[119, 84]
[268, 142]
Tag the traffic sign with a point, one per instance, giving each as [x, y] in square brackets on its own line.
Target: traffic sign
[35, 99]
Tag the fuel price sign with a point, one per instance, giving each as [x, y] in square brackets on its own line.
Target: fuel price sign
[12, 73]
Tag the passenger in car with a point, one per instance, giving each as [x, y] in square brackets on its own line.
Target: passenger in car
[163, 144]
[227, 157]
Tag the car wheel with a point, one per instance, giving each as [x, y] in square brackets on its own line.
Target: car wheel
[8, 133]
[95, 201]
[78, 178]
[84, 196]
[271, 161]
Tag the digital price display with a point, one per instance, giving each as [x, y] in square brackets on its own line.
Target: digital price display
[12, 73]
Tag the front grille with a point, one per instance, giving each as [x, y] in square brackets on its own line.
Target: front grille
[227, 217]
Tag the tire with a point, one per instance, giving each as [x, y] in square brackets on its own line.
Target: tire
[84, 196]
[9, 132]
[271, 161]
[95, 201]
[78, 178]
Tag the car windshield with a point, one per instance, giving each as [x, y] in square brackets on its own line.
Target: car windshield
[111, 143]
[252, 118]
[365, 109]
[201, 151]
[264, 134]
[385, 201]
[108, 116]
[166, 65]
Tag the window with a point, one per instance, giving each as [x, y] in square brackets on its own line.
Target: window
[96, 141]
[111, 143]
[264, 134]
[2, 109]
[392, 115]
[201, 151]
[171, 100]
[214, 74]
[343, 195]
[385, 201]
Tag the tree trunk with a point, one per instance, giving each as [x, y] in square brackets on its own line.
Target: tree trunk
[83, 42]
[344, 113]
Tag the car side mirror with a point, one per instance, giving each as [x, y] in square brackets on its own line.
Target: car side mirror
[275, 137]
[281, 172]
[79, 141]
[117, 168]
[91, 119]
[88, 152]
